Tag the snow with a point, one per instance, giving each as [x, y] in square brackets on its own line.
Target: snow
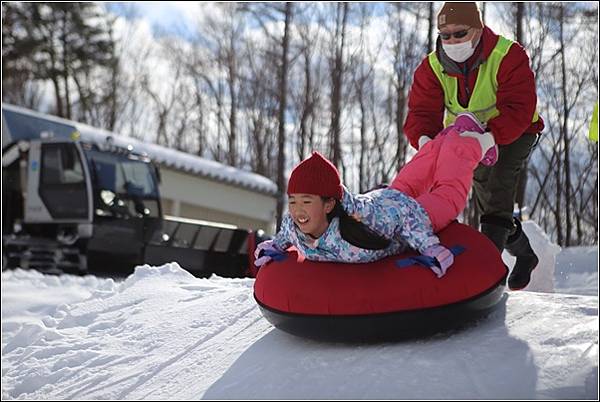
[571, 275]
[543, 280]
[163, 334]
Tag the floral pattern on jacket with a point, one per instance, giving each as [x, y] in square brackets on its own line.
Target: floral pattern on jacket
[388, 212]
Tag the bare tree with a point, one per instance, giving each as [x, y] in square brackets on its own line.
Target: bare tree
[363, 77]
[407, 49]
[306, 97]
[264, 14]
[255, 83]
[564, 184]
[338, 45]
[519, 13]
[431, 23]
[220, 40]
[283, 89]
[57, 42]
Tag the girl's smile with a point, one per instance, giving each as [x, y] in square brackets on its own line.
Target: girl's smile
[309, 213]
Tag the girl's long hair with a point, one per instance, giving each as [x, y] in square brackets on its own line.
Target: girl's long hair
[357, 233]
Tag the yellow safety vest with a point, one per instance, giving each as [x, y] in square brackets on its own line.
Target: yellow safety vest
[483, 100]
[593, 134]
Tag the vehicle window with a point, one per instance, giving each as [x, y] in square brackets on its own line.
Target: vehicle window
[63, 190]
[123, 176]
[106, 174]
[61, 165]
[137, 179]
[123, 185]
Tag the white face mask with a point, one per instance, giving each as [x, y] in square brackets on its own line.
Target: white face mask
[459, 52]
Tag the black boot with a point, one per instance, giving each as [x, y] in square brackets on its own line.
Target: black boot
[518, 246]
[497, 230]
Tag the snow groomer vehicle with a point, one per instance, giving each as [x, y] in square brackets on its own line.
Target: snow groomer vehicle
[91, 204]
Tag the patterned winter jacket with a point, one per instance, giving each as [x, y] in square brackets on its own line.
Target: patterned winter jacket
[388, 212]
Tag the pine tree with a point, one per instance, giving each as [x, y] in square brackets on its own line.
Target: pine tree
[64, 43]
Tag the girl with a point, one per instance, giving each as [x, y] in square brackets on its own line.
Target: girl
[325, 222]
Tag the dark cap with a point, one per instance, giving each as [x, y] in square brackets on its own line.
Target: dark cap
[459, 14]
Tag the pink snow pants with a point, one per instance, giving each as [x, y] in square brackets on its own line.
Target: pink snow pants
[440, 176]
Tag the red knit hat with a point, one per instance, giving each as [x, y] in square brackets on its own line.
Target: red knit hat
[316, 175]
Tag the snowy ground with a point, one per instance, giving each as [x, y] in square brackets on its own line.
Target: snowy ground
[163, 334]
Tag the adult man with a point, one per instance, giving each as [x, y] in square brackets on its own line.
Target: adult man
[475, 70]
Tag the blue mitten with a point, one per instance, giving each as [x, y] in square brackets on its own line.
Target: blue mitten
[267, 251]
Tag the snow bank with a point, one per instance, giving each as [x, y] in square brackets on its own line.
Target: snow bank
[573, 270]
[44, 295]
[156, 333]
[577, 271]
[163, 334]
[542, 278]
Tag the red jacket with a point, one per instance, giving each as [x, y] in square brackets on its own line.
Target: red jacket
[516, 97]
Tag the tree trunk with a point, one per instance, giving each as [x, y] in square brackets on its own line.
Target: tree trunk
[483, 11]
[232, 151]
[430, 26]
[65, 68]
[337, 82]
[307, 108]
[113, 100]
[522, 180]
[283, 73]
[566, 140]
[362, 179]
[400, 112]
[57, 96]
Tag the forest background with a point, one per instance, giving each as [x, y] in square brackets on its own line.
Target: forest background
[259, 86]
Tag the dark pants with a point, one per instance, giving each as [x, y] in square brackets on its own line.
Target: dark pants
[495, 187]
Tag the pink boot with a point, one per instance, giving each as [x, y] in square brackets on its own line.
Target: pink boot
[468, 122]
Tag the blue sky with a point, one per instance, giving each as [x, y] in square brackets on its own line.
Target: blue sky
[175, 17]
[163, 17]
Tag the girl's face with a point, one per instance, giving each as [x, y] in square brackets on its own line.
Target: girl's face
[309, 213]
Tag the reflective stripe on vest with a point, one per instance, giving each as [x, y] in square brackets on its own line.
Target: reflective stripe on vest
[483, 100]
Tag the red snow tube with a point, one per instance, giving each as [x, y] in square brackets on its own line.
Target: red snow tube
[379, 301]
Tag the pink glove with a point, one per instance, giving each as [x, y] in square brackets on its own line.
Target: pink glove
[491, 156]
[266, 245]
[443, 256]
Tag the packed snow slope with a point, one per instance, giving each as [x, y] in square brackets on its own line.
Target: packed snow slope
[164, 334]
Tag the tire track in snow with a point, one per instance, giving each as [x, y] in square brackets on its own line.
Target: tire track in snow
[130, 381]
[191, 375]
[175, 359]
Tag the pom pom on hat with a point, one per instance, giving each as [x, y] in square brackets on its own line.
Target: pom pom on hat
[316, 175]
